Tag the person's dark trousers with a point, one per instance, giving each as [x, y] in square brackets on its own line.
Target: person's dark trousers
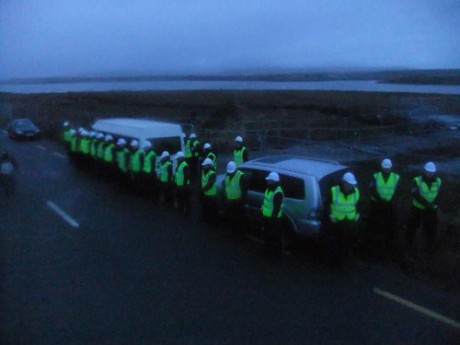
[209, 209]
[382, 219]
[166, 194]
[194, 169]
[183, 200]
[273, 236]
[429, 220]
[8, 183]
[149, 187]
[234, 215]
[341, 240]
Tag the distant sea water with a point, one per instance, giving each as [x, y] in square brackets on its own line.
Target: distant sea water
[348, 85]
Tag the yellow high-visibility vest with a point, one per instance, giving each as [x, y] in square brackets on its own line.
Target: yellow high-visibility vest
[342, 206]
[268, 206]
[232, 186]
[426, 193]
[386, 189]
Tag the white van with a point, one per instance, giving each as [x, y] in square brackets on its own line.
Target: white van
[162, 135]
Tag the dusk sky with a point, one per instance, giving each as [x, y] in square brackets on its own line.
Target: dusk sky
[49, 38]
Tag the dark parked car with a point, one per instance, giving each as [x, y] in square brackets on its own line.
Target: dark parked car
[22, 129]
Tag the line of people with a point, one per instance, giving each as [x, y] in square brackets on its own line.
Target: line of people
[341, 216]
[138, 167]
[342, 212]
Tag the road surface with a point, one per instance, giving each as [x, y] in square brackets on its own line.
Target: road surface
[84, 262]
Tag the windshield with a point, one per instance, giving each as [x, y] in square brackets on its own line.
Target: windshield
[24, 124]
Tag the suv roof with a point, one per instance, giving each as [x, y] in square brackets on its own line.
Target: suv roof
[297, 164]
[137, 128]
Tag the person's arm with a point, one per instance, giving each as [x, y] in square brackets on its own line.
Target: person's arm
[170, 174]
[373, 190]
[244, 188]
[186, 175]
[245, 155]
[210, 183]
[416, 195]
[277, 201]
[434, 203]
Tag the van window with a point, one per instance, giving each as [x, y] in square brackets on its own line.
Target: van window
[170, 144]
[293, 187]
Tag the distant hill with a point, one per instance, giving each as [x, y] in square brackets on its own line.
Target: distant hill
[435, 77]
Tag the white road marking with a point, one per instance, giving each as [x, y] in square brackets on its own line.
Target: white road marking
[43, 148]
[255, 239]
[418, 308]
[62, 214]
[60, 155]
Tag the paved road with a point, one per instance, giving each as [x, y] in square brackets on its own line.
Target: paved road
[121, 271]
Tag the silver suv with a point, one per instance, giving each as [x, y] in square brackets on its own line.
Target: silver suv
[305, 181]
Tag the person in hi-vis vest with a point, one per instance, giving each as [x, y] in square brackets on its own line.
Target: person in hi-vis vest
[424, 209]
[234, 188]
[240, 152]
[208, 195]
[166, 180]
[382, 212]
[272, 215]
[341, 207]
[182, 184]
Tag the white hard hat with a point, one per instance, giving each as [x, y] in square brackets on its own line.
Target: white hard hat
[164, 154]
[192, 136]
[430, 167]
[81, 130]
[73, 131]
[349, 178]
[273, 176]
[386, 163]
[207, 146]
[179, 154]
[134, 143]
[66, 123]
[239, 139]
[92, 134]
[108, 137]
[147, 145]
[207, 161]
[231, 167]
[121, 141]
[100, 135]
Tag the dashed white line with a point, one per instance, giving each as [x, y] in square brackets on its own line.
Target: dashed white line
[43, 148]
[62, 214]
[60, 155]
[418, 308]
[254, 239]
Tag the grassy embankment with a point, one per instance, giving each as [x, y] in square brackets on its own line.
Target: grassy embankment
[300, 116]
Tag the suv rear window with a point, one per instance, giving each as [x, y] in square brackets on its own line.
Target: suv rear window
[293, 187]
[329, 181]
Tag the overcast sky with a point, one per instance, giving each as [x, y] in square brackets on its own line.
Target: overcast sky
[41, 38]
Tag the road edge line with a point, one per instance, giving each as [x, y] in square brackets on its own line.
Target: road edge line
[417, 307]
[62, 214]
[60, 155]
